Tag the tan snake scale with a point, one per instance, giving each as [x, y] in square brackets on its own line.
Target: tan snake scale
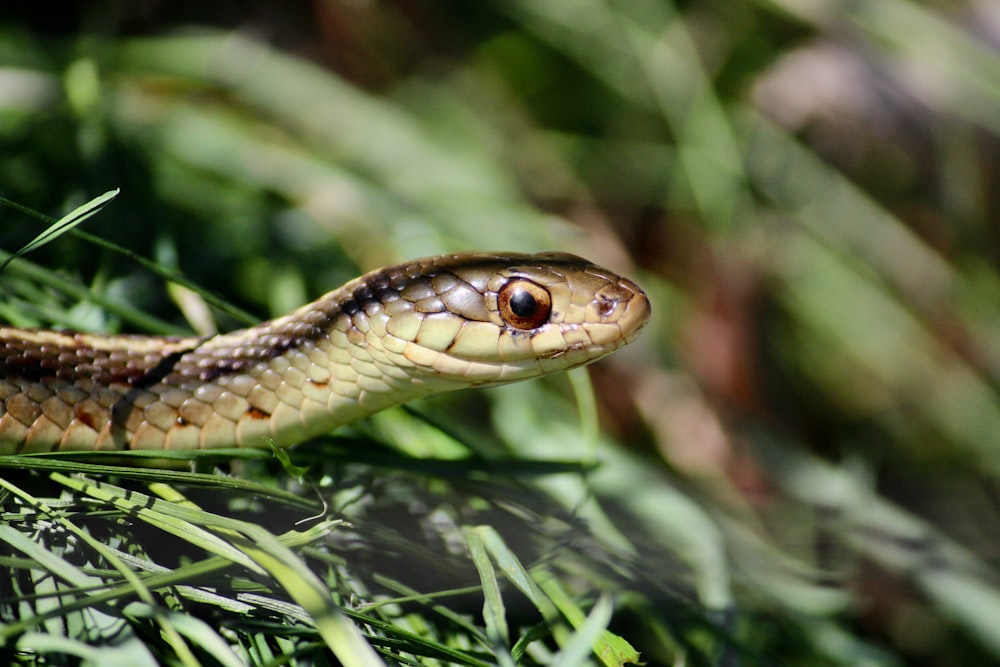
[392, 335]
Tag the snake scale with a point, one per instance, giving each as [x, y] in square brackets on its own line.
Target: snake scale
[394, 334]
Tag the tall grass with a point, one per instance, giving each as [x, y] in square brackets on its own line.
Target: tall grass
[795, 464]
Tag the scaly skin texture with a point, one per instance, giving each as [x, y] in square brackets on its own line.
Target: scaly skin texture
[392, 335]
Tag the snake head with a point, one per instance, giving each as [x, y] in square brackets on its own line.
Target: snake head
[493, 318]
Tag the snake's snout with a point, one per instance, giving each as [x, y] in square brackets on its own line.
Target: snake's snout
[626, 304]
[615, 315]
[638, 311]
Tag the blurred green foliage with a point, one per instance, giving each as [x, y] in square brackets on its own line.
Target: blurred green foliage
[798, 458]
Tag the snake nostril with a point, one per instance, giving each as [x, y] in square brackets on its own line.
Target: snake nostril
[606, 306]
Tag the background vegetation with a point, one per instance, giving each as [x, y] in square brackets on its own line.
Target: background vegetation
[796, 463]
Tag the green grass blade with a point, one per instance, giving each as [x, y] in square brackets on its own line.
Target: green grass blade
[45, 559]
[48, 278]
[587, 636]
[63, 462]
[163, 515]
[62, 225]
[198, 633]
[132, 653]
[612, 650]
[494, 612]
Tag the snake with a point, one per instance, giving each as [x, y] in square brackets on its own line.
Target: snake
[394, 334]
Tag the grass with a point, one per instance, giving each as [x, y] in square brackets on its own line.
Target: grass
[202, 568]
[795, 464]
[110, 562]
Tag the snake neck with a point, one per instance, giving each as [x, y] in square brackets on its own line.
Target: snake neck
[298, 376]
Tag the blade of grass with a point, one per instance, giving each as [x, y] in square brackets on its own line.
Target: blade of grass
[587, 636]
[69, 222]
[494, 612]
[59, 227]
[539, 586]
[42, 462]
[145, 322]
[613, 650]
[186, 573]
[173, 276]
[182, 522]
[251, 546]
[195, 630]
[177, 643]
[130, 654]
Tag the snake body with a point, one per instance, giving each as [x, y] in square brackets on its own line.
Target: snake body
[394, 334]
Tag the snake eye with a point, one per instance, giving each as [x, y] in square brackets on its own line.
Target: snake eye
[524, 304]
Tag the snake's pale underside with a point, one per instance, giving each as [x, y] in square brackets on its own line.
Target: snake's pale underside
[394, 334]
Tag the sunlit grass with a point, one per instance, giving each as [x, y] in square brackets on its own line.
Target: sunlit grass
[813, 510]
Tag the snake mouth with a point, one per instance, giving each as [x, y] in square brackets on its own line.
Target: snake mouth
[594, 351]
[590, 352]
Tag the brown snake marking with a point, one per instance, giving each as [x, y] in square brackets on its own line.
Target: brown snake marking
[400, 332]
